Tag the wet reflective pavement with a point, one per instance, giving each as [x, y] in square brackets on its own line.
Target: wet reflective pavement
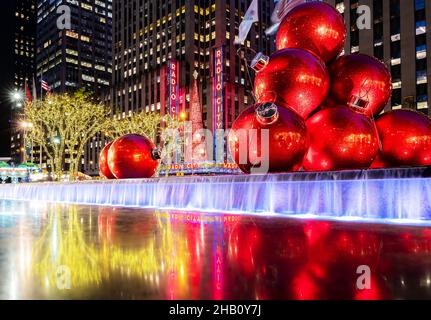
[55, 251]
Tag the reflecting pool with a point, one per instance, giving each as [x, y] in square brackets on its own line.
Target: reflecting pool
[58, 251]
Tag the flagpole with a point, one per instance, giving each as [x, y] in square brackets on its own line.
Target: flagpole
[23, 125]
[40, 147]
[251, 16]
[41, 89]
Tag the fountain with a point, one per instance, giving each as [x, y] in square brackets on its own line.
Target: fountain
[387, 195]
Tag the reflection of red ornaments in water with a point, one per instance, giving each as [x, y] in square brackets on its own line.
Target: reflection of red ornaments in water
[340, 139]
[243, 246]
[103, 163]
[406, 138]
[363, 78]
[315, 26]
[295, 79]
[287, 138]
[131, 156]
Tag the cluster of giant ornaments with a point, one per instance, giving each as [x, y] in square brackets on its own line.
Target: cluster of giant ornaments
[321, 111]
[129, 157]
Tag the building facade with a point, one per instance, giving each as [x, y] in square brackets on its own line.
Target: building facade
[158, 46]
[75, 56]
[24, 39]
[400, 36]
[74, 47]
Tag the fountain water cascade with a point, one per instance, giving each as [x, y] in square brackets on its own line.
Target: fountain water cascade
[397, 195]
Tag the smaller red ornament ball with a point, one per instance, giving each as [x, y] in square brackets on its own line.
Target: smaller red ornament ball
[361, 82]
[132, 157]
[406, 138]
[103, 163]
[287, 139]
[294, 79]
[315, 26]
[340, 139]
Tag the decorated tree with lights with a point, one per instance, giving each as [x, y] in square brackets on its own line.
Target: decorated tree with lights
[143, 123]
[63, 124]
[198, 136]
[172, 141]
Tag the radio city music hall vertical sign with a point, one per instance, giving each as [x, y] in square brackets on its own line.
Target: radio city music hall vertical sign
[218, 104]
[173, 75]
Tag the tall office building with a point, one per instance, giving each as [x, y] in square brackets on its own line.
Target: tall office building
[400, 35]
[78, 55]
[24, 37]
[159, 45]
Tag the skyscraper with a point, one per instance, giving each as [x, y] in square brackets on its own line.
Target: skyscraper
[78, 55]
[400, 35]
[158, 46]
[24, 37]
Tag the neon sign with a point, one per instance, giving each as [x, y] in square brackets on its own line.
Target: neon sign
[218, 89]
[173, 88]
[218, 104]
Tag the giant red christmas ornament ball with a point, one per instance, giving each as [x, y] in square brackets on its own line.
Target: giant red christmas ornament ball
[103, 163]
[406, 138]
[287, 139]
[133, 156]
[294, 79]
[361, 82]
[314, 26]
[340, 139]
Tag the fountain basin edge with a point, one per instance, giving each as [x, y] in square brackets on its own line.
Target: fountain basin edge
[384, 195]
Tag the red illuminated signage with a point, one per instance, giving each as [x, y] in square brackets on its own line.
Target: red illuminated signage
[173, 88]
[218, 104]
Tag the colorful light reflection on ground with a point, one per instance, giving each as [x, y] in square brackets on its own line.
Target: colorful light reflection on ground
[132, 253]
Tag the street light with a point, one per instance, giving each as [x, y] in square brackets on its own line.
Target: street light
[26, 125]
[183, 115]
[17, 96]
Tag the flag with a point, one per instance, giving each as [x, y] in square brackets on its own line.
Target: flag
[34, 89]
[45, 85]
[281, 9]
[251, 16]
[28, 97]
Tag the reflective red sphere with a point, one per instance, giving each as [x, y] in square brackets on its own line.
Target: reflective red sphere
[314, 26]
[362, 82]
[132, 156]
[294, 79]
[287, 139]
[103, 163]
[406, 138]
[340, 139]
